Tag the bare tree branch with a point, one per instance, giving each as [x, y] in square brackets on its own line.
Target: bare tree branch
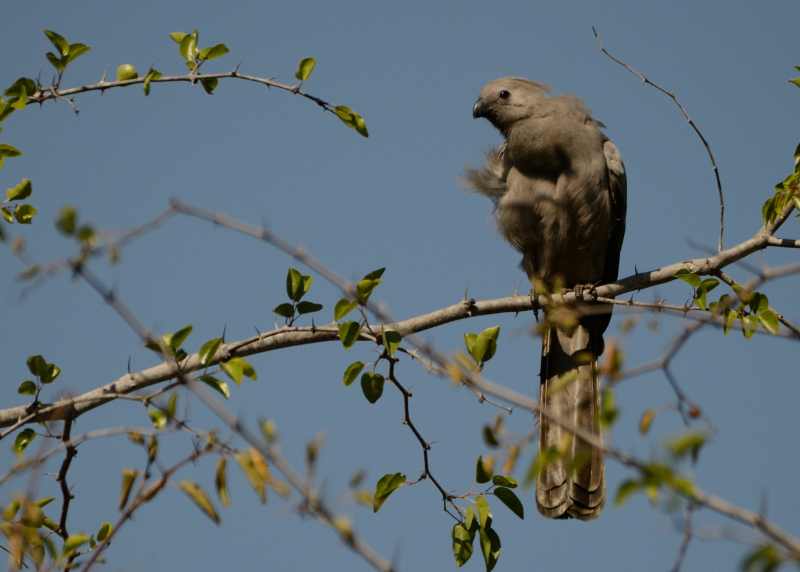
[689, 120]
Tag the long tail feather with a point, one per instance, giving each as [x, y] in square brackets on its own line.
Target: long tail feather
[572, 486]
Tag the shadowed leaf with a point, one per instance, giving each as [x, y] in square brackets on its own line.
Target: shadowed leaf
[385, 487]
[200, 498]
[304, 68]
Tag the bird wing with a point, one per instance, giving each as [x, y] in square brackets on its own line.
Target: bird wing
[618, 192]
[490, 180]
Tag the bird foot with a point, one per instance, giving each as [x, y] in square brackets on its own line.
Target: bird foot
[585, 292]
[533, 296]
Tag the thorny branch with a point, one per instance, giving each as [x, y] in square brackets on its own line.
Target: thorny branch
[66, 494]
[700, 266]
[313, 504]
[647, 81]
[447, 498]
[54, 93]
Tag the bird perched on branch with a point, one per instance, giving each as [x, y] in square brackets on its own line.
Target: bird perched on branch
[559, 188]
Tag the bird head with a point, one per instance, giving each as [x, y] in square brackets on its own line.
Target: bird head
[507, 100]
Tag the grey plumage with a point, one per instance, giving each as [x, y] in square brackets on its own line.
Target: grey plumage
[559, 188]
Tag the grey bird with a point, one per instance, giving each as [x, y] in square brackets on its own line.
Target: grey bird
[559, 188]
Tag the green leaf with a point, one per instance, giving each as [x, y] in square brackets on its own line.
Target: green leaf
[689, 443]
[221, 481]
[286, 310]
[484, 345]
[172, 405]
[199, 497]
[85, 233]
[5, 149]
[5, 110]
[372, 386]
[768, 211]
[646, 421]
[126, 72]
[375, 274]
[67, 220]
[213, 52]
[490, 547]
[60, 43]
[188, 47]
[208, 350]
[342, 308]
[178, 37]
[769, 320]
[24, 213]
[391, 341]
[55, 61]
[176, 339]
[690, 278]
[484, 514]
[348, 333]
[7, 214]
[158, 418]
[217, 385]
[705, 286]
[128, 478]
[21, 190]
[759, 304]
[505, 481]
[27, 387]
[297, 285]
[469, 342]
[483, 472]
[19, 91]
[43, 502]
[625, 490]
[75, 541]
[304, 68]
[795, 81]
[345, 114]
[352, 371]
[386, 486]
[237, 368]
[364, 289]
[361, 125]
[104, 530]
[508, 498]
[463, 538]
[75, 51]
[22, 440]
[608, 408]
[766, 557]
[209, 84]
[489, 436]
[152, 74]
[749, 325]
[46, 372]
[351, 119]
[306, 307]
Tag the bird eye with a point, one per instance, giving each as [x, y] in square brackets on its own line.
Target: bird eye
[504, 94]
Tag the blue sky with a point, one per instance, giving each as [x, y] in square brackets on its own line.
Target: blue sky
[412, 69]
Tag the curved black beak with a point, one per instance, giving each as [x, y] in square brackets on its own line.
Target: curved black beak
[478, 110]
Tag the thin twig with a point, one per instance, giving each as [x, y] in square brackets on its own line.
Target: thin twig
[689, 120]
[191, 78]
[687, 537]
[447, 498]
